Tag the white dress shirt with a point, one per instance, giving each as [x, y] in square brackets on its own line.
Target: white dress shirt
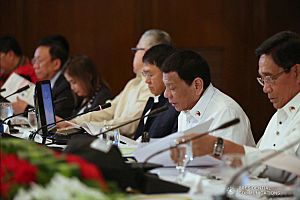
[222, 108]
[156, 100]
[129, 104]
[54, 78]
[282, 130]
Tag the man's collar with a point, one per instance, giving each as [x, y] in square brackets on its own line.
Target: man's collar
[156, 99]
[55, 77]
[292, 107]
[200, 107]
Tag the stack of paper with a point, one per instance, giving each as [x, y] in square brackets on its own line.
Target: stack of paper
[15, 82]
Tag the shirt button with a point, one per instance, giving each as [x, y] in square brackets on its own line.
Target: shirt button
[274, 145]
[277, 133]
[280, 123]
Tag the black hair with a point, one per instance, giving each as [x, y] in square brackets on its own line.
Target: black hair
[188, 65]
[84, 69]
[283, 47]
[9, 43]
[59, 47]
[157, 54]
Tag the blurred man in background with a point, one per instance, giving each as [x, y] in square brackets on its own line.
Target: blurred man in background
[12, 60]
[49, 58]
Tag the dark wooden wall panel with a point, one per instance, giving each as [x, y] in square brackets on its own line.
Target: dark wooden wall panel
[225, 32]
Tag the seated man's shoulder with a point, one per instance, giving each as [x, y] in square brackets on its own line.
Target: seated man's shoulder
[224, 101]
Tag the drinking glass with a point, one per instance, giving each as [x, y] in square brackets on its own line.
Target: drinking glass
[112, 136]
[182, 155]
[6, 110]
[232, 164]
[32, 120]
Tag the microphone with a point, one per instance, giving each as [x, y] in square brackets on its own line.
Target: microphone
[2, 90]
[254, 165]
[152, 113]
[183, 140]
[25, 112]
[26, 87]
[57, 101]
[97, 108]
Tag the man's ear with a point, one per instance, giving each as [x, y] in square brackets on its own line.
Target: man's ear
[10, 53]
[198, 84]
[57, 64]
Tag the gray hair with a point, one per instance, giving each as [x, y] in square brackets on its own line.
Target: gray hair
[154, 37]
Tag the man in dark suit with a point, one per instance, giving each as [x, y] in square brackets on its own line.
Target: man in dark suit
[49, 58]
[166, 122]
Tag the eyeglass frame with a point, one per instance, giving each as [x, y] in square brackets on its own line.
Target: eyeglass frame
[38, 61]
[147, 74]
[270, 79]
[135, 49]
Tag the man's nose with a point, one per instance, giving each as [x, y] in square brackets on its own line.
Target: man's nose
[267, 88]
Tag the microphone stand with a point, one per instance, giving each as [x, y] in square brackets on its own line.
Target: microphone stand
[32, 109]
[26, 87]
[27, 111]
[100, 107]
[151, 114]
[183, 140]
[256, 164]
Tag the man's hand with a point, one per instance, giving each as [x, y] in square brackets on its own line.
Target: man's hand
[19, 106]
[201, 146]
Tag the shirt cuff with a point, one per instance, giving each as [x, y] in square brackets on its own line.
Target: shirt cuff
[253, 154]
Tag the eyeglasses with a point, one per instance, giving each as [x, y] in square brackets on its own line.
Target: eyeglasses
[269, 79]
[147, 74]
[35, 61]
[134, 50]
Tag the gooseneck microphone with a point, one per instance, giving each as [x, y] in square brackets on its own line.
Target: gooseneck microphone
[183, 140]
[254, 165]
[25, 112]
[97, 108]
[26, 87]
[152, 113]
[57, 101]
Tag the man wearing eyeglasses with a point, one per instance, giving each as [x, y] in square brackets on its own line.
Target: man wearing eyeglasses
[49, 57]
[279, 70]
[165, 123]
[130, 103]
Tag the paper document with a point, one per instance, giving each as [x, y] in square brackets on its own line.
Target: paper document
[285, 162]
[91, 129]
[15, 82]
[142, 153]
[94, 129]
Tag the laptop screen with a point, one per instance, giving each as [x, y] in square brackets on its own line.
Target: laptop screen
[48, 104]
[44, 106]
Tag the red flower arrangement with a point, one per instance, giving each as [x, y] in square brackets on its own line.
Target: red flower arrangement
[88, 170]
[14, 172]
[24, 162]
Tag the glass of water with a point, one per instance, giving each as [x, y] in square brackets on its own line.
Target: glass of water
[182, 155]
[32, 120]
[6, 110]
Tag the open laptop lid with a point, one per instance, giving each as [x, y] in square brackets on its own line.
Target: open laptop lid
[44, 106]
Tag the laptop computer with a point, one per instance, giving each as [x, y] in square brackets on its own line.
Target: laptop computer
[46, 114]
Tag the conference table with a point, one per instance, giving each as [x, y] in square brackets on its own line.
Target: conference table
[204, 182]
